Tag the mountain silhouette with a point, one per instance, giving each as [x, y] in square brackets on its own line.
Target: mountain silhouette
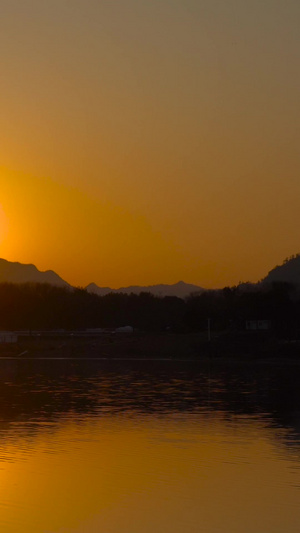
[20, 273]
[12, 272]
[288, 272]
[180, 289]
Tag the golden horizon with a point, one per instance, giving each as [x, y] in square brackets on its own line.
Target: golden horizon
[164, 146]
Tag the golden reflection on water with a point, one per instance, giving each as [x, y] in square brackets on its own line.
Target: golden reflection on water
[175, 473]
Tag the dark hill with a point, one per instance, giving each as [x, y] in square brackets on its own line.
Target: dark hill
[19, 273]
[288, 272]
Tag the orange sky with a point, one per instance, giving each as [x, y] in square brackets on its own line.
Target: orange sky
[147, 142]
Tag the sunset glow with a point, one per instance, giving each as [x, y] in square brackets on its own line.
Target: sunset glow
[3, 224]
[148, 142]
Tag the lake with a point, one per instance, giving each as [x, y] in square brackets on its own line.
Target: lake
[144, 447]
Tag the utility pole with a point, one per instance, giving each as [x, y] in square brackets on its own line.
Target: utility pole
[208, 330]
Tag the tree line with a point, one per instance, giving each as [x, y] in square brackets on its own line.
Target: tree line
[36, 306]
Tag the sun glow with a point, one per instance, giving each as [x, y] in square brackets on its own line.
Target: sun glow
[3, 224]
[82, 238]
[150, 141]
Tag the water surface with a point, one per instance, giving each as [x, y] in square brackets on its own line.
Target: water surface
[144, 447]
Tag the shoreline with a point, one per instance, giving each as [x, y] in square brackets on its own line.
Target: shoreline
[168, 347]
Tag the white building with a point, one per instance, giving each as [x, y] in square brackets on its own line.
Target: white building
[261, 325]
[124, 329]
[8, 337]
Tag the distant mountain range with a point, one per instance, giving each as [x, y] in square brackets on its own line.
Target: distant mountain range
[20, 273]
[289, 272]
[180, 289]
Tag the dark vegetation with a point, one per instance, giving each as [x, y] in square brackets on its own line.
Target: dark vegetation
[35, 306]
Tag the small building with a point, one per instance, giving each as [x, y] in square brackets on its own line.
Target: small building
[258, 325]
[124, 329]
[8, 337]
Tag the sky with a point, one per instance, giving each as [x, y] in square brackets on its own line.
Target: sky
[146, 142]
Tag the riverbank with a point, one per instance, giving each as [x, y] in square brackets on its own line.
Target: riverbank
[191, 346]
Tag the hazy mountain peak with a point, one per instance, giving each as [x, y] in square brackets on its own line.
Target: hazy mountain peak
[95, 289]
